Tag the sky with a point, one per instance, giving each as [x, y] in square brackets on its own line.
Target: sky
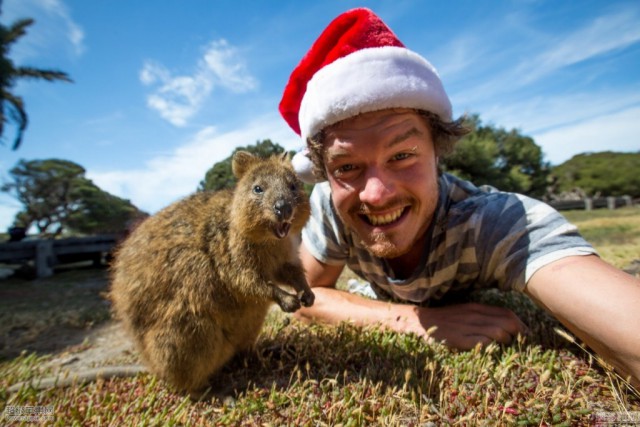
[164, 89]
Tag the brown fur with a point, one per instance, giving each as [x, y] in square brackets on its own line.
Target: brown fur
[193, 283]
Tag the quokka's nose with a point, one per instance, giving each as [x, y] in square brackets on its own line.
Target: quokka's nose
[283, 210]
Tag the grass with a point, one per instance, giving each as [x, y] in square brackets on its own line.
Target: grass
[320, 375]
[615, 234]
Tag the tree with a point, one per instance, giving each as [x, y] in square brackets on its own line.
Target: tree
[220, 175]
[99, 212]
[56, 195]
[12, 106]
[504, 159]
[44, 189]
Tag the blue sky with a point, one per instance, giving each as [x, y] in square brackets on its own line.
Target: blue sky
[165, 88]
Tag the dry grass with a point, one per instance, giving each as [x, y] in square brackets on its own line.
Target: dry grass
[320, 375]
[349, 376]
[615, 234]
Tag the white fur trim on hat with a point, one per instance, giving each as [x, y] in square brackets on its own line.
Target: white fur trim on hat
[368, 80]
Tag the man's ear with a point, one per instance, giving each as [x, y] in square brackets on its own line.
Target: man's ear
[241, 162]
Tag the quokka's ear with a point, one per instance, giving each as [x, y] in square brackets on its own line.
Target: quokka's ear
[241, 162]
[285, 157]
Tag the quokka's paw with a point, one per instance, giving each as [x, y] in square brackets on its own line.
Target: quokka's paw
[306, 298]
[289, 303]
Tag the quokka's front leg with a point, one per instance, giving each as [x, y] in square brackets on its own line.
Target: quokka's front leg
[293, 275]
[287, 302]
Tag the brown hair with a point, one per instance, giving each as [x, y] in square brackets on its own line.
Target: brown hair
[444, 135]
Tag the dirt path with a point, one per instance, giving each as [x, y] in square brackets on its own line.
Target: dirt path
[66, 316]
[106, 345]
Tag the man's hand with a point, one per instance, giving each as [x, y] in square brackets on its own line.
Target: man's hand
[460, 326]
[463, 326]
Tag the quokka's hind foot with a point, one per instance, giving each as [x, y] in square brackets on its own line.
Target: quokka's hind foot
[225, 394]
[186, 367]
[278, 352]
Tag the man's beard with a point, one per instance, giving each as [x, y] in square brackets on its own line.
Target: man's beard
[379, 244]
[382, 246]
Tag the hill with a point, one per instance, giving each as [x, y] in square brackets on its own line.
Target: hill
[605, 173]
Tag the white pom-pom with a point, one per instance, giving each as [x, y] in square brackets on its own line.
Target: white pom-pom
[303, 166]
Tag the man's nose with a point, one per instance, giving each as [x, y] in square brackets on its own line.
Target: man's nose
[377, 188]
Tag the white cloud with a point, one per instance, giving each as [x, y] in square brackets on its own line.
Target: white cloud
[568, 120]
[543, 55]
[152, 72]
[605, 34]
[460, 54]
[178, 98]
[546, 111]
[222, 62]
[166, 178]
[614, 132]
[52, 19]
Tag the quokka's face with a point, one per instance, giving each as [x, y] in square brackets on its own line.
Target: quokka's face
[279, 201]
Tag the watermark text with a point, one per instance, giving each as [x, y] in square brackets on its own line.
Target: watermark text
[28, 413]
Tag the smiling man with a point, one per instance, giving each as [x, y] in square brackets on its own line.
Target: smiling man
[376, 118]
[384, 178]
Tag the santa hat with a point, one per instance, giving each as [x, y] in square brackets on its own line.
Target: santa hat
[358, 65]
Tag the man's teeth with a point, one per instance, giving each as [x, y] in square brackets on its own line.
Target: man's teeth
[384, 219]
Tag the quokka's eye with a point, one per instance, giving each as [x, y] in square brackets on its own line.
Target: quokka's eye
[293, 186]
[257, 189]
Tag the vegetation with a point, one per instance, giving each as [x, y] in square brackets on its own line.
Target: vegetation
[606, 174]
[56, 195]
[504, 159]
[614, 233]
[322, 375]
[12, 108]
[220, 175]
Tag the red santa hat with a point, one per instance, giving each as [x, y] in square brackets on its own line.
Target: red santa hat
[358, 65]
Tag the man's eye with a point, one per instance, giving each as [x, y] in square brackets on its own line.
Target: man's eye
[402, 156]
[345, 168]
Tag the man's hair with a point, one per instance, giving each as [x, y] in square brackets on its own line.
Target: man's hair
[444, 135]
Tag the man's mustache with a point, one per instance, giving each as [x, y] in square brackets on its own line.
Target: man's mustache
[366, 209]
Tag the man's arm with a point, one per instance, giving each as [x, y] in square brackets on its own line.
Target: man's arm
[461, 326]
[598, 303]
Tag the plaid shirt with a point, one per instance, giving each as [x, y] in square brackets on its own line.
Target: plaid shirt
[480, 238]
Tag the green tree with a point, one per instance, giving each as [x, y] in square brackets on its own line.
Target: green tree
[55, 196]
[220, 175]
[505, 159]
[12, 108]
[98, 212]
[474, 159]
[44, 189]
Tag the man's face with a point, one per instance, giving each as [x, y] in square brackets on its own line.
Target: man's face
[382, 170]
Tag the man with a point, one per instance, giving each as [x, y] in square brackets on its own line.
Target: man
[376, 118]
